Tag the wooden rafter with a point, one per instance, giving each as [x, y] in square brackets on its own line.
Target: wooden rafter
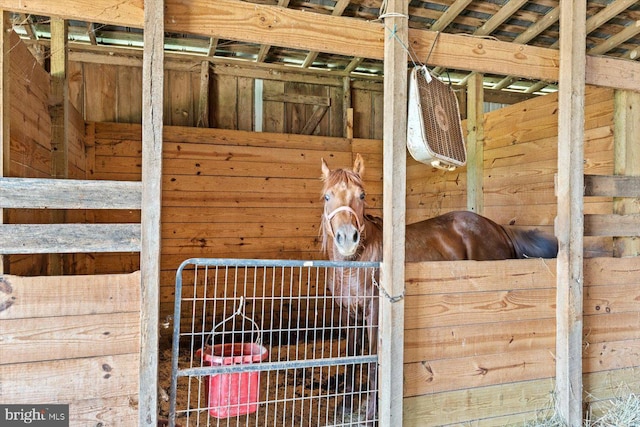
[338, 10]
[616, 40]
[91, 32]
[355, 62]
[539, 26]
[449, 15]
[213, 43]
[494, 22]
[27, 22]
[532, 32]
[500, 17]
[602, 17]
[341, 36]
[264, 49]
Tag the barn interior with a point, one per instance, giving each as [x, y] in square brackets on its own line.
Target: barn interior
[253, 95]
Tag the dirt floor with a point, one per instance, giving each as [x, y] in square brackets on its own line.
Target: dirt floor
[296, 396]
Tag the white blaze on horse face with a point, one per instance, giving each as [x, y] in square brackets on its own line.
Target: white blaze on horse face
[344, 207]
[344, 220]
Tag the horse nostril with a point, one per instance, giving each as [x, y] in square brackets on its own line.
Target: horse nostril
[339, 238]
[356, 237]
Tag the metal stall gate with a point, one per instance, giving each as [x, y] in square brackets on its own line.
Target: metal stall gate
[264, 343]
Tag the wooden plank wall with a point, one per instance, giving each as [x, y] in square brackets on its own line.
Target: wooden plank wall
[480, 335]
[72, 340]
[30, 150]
[105, 92]
[480, 339]
[229, 194]
[30, 141]
[520, 162]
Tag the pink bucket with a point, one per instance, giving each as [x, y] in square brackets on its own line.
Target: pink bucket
[235, 393]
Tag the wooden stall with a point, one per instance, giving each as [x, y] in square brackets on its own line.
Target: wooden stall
[450, 307]
[46, 232]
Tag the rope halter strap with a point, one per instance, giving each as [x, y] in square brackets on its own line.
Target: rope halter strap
[339, 209]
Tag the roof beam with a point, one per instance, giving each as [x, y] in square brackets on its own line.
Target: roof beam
[539, 26]
[600, 18]
[338, 9]
[264, 49]
[502, 15]
[254, 23]
[617, 39]
[449, 15]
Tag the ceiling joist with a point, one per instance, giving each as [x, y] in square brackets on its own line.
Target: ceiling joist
[272, 25]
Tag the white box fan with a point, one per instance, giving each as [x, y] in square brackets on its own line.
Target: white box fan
[434, 130]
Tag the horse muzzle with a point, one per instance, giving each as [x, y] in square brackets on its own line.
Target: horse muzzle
[347, 239]
[346, 236]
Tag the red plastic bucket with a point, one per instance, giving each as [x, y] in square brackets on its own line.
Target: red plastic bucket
[236, 393]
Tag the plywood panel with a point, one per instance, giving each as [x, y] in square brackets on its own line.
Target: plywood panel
[178, 92]
[273, 112]
[129, 94]
[246, 103]
[100, 93]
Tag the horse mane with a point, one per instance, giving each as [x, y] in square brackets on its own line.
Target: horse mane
[335, 177]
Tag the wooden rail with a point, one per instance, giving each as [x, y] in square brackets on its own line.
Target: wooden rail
[35, 193]
[611, 225]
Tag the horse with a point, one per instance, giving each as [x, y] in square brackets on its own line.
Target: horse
[348, 233]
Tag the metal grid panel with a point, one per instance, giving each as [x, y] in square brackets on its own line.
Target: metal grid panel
[315, 370]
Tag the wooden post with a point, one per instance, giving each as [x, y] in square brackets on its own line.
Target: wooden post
[391, 337]
[346, 107]
[626, 161]
[152, 104]
[570, 219]
[475, 143]
[203, 99]
[349, 124]
[5, 150]
[59, 122]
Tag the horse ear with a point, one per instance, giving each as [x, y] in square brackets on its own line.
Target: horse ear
[325, 169]
[358, 165]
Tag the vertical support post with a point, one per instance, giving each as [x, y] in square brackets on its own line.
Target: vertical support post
[5, 105]
[152, 104]
[626, 161]
[391, 337]
[349, 127]
[346, 107]
[475, 144]
[203, 99]
[59, 122]
[570, 219]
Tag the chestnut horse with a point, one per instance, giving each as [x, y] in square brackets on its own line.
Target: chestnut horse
[349, 234]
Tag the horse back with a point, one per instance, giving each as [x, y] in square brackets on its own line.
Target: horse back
[457, 235]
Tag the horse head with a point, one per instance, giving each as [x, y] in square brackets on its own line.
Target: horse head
[344, 203]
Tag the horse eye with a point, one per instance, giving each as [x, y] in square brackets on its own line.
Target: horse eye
[326, 197]
[362, 195]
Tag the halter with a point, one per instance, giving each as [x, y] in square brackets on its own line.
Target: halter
[340, 209]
